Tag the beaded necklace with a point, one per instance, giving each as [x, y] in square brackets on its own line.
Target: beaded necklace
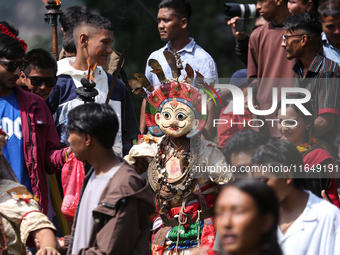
[187, 176]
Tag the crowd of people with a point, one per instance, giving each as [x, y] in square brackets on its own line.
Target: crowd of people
[153, 187]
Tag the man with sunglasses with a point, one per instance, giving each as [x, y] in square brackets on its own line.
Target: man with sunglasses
[33, 147]
[40, 73]
[314, 72]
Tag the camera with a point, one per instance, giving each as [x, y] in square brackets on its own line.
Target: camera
[241, 10]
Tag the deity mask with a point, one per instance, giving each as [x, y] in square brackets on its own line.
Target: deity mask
[174, 109]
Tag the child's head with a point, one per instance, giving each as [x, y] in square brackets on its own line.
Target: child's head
[99, 122]
[40, 73]
[93, 37]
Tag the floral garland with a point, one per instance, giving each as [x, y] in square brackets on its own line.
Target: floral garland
[5, 30]
[305, 146]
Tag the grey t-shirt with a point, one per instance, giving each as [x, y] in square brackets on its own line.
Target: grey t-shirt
[88, 203]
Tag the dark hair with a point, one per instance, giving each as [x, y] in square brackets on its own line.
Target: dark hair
[266, 203]
[10, 28]
[71, 16]
[307, 105]
[68, 42]
[284, 153]
[246, 139]
[307, 21]
[10, 48]
[40, 59]
[95, 21]
[98, 120]
[182, 8]
[329, 8]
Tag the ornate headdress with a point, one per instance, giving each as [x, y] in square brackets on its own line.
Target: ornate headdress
[174, 92]
[170, 90]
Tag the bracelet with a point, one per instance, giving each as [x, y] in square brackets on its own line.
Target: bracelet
[51, 248]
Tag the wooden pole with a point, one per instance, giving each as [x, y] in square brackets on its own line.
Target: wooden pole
[55, 42]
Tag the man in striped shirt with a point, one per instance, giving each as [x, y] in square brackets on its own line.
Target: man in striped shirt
[314, 72]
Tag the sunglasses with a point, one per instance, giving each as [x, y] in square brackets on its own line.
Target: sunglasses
[37, 81]
[286, 37]
[12, 65]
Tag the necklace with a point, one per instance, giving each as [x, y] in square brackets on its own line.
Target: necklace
[305, 146]
[180, 188]
[163, 148]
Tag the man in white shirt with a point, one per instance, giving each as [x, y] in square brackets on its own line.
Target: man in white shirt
[308, 224]
[173, 20]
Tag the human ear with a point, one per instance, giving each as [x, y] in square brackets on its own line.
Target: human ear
[278, 2]
[184, 23]
[304, 40]
[288, 178]
[289, 181]
[88, 139]
[23, 78]
[83, 39]
[310, 5]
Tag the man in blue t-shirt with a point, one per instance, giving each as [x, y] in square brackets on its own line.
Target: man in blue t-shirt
[10, 122]
[33, 146]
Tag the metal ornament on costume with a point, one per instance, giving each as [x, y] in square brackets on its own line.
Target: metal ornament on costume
[184, 93]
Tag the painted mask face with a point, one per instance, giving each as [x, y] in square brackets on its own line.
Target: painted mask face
[176, 119]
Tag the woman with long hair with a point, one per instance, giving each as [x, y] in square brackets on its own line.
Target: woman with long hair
[297, 128]
[246, 218]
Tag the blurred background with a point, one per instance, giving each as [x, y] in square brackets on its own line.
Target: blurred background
[134, 30]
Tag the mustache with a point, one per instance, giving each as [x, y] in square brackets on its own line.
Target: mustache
[173, 126]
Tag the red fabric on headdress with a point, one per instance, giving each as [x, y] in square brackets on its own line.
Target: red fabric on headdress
[5, 30]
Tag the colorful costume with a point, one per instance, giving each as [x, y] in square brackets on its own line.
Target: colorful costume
[185, 178]
[20, 214]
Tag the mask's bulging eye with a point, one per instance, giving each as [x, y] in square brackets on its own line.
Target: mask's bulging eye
[167, 115]
[181, 116]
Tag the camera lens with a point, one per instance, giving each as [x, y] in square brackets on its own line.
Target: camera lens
[241, 10]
